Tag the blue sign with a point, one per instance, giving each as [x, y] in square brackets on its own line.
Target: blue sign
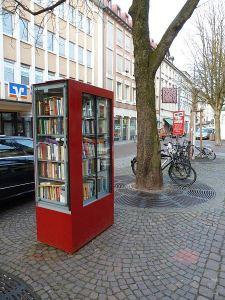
[18, 90]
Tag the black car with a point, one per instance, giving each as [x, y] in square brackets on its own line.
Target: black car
[16, 166]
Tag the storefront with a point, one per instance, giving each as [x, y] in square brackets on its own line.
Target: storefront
[117, 128]
[13, 123]
[133, 128]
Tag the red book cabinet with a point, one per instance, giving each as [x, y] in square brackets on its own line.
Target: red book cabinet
[74, 176]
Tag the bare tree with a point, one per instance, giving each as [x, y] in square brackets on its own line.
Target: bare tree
[147, 61]
[208, 52]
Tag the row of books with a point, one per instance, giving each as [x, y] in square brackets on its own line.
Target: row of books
[52, 170]
[52, 191]
[51, 126]
[89, 166]
[88, 148]
[103, 147]
[88, 108]
[88, 126]
[52, 150]
[89, 187]
[50, 106]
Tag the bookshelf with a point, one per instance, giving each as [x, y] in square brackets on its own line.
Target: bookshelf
[50, 110]
[73, 137]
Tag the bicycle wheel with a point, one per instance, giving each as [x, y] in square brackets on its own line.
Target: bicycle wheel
[211, 155]
[182, 174]
[134, 165]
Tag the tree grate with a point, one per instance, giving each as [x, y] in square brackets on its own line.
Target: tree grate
[12, 288]
[171, 197]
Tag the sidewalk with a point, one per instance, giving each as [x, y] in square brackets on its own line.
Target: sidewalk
[172, 251]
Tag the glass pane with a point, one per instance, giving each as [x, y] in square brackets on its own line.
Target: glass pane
[89, 163]
[103, 146]
[51, 141]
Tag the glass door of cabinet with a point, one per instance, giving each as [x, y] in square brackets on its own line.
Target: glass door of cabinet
[96, 147]
[103, 146]
[51, 144]
[89, 148]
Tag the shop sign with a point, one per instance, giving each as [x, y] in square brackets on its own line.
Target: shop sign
[17, 90]
[178, 123]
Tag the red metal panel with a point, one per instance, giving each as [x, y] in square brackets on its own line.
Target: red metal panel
[54, 228]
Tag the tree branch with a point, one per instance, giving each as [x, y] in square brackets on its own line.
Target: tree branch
[41, 11]
[172, 31]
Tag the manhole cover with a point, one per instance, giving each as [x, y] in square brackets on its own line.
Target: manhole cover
[12, 288]
[171, 197]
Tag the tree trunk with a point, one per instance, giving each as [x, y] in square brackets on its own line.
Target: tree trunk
[217, 128]
[149, 175]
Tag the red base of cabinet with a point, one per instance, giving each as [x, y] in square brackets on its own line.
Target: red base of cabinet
[70, 232]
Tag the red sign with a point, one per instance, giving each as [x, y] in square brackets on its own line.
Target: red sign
[178, 123]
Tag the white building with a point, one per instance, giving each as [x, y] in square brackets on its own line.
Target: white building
[173, 93]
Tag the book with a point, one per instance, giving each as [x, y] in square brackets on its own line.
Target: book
[53, 170]
[88, 148]
[51, 150]
[50, 106]
[89, 188]
[52, 191]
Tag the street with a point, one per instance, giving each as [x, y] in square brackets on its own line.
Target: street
[169, 247]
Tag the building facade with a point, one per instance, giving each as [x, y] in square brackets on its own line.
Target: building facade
[173, 93]
[118, 70]
[35, 49]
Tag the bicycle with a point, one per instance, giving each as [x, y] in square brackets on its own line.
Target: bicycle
[205, 152]
[179, 171]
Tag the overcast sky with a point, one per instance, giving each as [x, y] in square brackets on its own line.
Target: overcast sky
[162, 12]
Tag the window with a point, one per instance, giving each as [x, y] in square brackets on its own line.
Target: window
[9, 71]
[38, 75]
[119, 37]
[109, 62]
[80, 55]
[127, 66]
[51, 76]
[50, 42]
[38, 35]
[72, 15]
[71, 50]
[110, 35]
[89, 59]
[80, 20]
[88, 26]
[25, 145]
[25, 72]
[109, 84]
[127, 92]
[128, 43]
[119, 90]
[61, 46]
[23, 30]
[7, 149]
[7, 19]
[119, 63]
[61, 10]
[134, 95]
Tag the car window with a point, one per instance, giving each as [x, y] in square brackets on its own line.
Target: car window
[7, 149]
[25, 144]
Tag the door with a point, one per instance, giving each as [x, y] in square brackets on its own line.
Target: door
[13, 170]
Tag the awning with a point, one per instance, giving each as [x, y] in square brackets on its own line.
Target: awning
[169, 121]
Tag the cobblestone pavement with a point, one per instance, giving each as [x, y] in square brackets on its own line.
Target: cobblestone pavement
[163, 253]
